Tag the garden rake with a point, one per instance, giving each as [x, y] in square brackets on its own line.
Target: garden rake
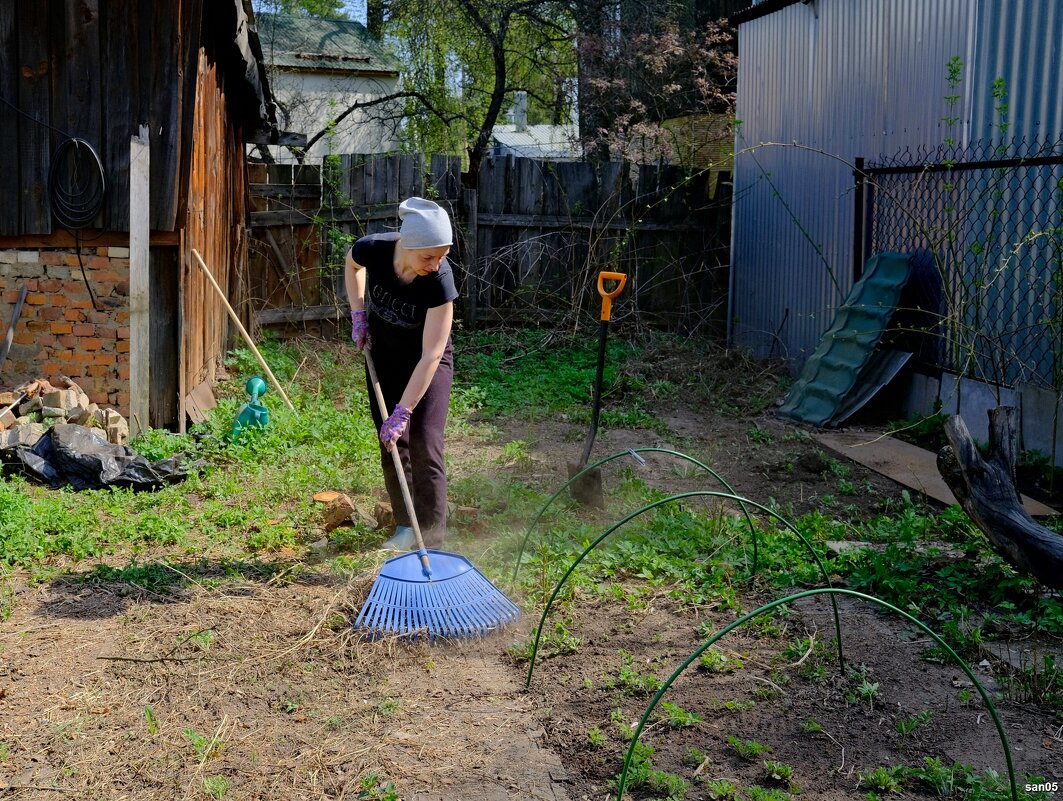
[429, 591]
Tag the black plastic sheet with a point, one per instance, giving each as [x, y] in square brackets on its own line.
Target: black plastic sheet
[83, 459]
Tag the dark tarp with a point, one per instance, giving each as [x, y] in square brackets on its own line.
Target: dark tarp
[83, 458]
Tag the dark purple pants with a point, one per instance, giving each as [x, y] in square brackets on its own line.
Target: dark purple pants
[420, 446]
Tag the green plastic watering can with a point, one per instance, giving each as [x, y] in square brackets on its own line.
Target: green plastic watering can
[252, 414]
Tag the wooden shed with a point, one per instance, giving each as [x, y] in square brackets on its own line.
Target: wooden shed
[122, 133]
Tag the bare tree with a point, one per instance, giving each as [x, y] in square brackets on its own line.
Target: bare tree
[641, 64]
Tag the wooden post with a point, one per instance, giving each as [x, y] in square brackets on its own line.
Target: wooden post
[859, 212]
[139, 283]
[184, 270]
[472, 268]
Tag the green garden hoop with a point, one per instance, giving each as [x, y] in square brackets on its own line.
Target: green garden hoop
[654, 505]
[633, 452]
[790, 599]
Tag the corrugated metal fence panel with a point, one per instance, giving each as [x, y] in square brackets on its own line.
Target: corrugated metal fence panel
[848, 78]
[1019, 41]
[770, 257]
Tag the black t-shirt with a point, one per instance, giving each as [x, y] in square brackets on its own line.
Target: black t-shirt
[397, 311]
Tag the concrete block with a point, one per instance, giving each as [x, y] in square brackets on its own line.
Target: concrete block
[21, 435]
[79, 415]
[53, 412]
[7, 420]
[30, 406]
[116, 427]
[34, 431]
[1041, 420]
[970, 399]
[60, 399]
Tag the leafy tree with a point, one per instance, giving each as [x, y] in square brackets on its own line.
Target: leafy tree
[465, 59]
[635, 62]
[462, 63]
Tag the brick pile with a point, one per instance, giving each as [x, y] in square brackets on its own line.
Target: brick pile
[26, 413]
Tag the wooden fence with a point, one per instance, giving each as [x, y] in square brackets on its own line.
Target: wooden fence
[530, 240]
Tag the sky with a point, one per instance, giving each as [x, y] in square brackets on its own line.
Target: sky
[356, 9]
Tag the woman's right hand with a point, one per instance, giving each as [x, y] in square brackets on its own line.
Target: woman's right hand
[360, 329]
[394, 426]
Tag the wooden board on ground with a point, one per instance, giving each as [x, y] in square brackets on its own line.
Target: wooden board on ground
[905, 463]
[200, 401]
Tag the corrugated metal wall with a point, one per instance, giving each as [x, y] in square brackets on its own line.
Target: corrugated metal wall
[832, 80]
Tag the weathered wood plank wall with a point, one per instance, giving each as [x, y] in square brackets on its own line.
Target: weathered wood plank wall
[304, 219]
[9, 122]
[284, 259]
[95, 71]
[216, 196]
[543, 231]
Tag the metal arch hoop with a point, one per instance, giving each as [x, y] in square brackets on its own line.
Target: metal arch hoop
[619, 454]
[788, 599]
[654, 505]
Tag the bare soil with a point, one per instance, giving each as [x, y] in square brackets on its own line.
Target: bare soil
[256, 689]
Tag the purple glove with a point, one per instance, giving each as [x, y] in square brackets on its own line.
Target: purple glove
[394, 426]
[360, 328]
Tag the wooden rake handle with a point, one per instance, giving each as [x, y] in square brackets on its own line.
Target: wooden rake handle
[406, 498]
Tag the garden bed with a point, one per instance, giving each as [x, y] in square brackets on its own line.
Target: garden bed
[215, 659]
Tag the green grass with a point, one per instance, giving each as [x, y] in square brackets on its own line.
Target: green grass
[749, 750]
[947, 781]
[249, 513]
[252, 497]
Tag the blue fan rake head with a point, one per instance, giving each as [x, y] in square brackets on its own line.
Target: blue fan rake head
[456, 601]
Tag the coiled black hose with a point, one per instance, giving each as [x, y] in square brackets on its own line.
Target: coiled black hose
[76, 183]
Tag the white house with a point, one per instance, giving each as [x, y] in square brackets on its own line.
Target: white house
[517, 138]
[318, 70]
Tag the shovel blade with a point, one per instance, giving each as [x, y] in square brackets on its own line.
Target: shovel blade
[587, 489]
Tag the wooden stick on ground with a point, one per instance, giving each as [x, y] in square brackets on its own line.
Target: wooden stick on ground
[243, 331]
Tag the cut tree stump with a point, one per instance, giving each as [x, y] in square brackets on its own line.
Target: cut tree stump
[985, 488]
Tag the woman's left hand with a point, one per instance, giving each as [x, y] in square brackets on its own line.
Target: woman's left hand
[360, 328]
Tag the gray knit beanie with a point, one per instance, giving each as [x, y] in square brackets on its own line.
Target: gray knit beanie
[424, 225]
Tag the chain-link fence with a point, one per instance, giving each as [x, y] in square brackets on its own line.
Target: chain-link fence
[985, 231]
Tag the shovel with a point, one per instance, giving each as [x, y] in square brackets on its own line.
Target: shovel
[587, 489]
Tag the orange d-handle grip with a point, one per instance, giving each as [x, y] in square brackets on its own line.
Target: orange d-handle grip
[607, 297]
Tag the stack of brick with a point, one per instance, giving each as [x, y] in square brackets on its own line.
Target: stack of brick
[27, 412]
[60, 331]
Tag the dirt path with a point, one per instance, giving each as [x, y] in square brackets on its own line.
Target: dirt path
[242, 682]
[471, 731]
[115, 695]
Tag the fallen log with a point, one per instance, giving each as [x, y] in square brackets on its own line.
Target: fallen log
[985, 489]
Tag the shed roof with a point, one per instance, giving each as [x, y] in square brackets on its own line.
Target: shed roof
[761, 8]
[322, 45]
[538, 141]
